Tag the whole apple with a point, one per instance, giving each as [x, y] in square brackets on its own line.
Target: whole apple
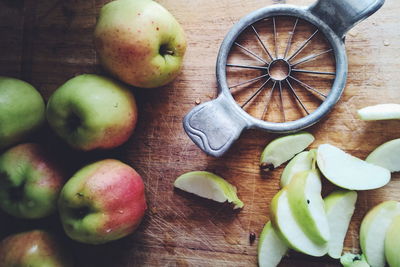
[103, 201]
[34, 249]
[22, 110]
[140, 42]
[30, 181]
[92, 112]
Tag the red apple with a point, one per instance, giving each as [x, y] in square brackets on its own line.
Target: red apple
[103, 201]
[30, 181]
[34, 249]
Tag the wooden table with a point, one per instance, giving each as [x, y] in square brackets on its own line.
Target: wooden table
[47, 42]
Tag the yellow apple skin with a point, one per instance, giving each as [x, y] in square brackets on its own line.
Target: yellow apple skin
[140, 42]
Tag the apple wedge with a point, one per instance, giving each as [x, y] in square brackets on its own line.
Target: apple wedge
[301, 162]
[288, 228]
[386, 155]
[350, 172]
[307, 205]
[373, 231]
[380, 112]
[283, 149]
[339, 207]
[392, 243]
[208, 185]
[353, 260]
[271, 248]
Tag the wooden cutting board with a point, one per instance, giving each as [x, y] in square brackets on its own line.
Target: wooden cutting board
[47, 42]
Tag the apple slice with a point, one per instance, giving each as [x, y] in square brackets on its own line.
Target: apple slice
[304, 195]
[350, 172]
[380, 112]
[208, 185]
[271, 248]
[392, 243]
[373, 230]
[339, 207]
[283, 149]
[288, 228]
[386, 155]
[301, 162]
[353, 260]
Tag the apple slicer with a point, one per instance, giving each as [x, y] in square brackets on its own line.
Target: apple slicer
[279, 69]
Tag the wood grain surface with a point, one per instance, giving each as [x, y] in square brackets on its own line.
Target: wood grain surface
[47, 42]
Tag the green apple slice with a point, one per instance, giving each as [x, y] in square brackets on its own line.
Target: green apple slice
[301, 162]
[350, 172]
[271, 248]
[392, 243]
[288, 228]
[373, 230]
[386, 155]
[380, 112]
[283, 149]
[353, 260]
[304, 195]
[339, 207]
[208, 185]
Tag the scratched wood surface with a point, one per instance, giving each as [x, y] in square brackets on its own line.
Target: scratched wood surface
[47, 42]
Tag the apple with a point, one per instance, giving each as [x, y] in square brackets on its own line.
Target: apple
[386, 155]
[301, 162]
[392, 242]
[353, 260]
[271, 248]
[339, 207]
[283, 149]
[103, 201]
[373, 231]
[349, 172]
[288, 228]
[92, 112]
[22, 111]
[34, 249]
[140, 42]
[380, 112]
[307, 205]
[30, 181]
[208, 185]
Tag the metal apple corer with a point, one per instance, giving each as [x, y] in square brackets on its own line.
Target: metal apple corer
[277, 67]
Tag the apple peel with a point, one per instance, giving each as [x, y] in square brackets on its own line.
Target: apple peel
[271, 248]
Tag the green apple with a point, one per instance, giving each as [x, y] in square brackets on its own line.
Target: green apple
[339, 207]
[350, 172]
[373, 231]
[208, 185]
[283, 149]
[30, 181]
[271, 248]
[386, 155]
[305, 200]
[353, 260]
[92, 112]
[103, 201]
[288, 229]
[21, 111]
[140, 42]
[380, 112]
[301, 162]
[392, 243]
[33, 249]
